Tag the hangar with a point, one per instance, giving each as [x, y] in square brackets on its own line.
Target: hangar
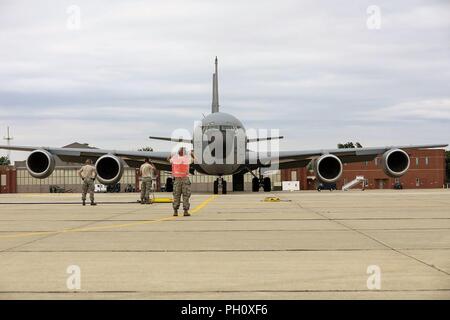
[427, 170]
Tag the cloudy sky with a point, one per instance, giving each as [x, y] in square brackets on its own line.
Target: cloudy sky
[318, 71]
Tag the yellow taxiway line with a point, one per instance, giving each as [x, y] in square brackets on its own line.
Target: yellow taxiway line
[112, 226]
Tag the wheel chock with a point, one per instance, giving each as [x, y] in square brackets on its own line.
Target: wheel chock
[271, 199]
[161, 200]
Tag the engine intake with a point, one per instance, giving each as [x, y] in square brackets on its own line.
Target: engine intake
[395, 163]
[109, 169]
[40, 164]
[328, 168]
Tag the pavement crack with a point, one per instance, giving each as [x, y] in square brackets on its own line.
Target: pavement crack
[58, 233]
[372, 238]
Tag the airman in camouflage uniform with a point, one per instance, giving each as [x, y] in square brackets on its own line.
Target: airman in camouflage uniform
[148, 174]
[182, 185]
[88, 174]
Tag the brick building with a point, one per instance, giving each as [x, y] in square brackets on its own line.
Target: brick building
[426, 170]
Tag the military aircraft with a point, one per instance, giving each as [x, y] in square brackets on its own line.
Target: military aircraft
[221, 135]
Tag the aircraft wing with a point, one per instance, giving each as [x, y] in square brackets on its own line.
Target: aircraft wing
[295, 159]
[79, 155]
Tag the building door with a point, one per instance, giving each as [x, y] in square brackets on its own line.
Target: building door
[238, 182]
[380, 183]
[3, 183]
[294, 176]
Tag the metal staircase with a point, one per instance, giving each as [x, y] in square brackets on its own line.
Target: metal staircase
[351, 184]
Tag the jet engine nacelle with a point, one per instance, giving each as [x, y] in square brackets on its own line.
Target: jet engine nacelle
[328, 168]
[40, 164]
[395, 163]
[109, 169]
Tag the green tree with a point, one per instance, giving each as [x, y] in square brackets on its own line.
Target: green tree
[4, 161]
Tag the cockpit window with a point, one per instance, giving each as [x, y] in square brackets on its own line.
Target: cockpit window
[219, 127]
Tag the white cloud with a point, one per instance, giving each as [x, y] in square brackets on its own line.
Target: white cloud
[310, 68]
[436, 109]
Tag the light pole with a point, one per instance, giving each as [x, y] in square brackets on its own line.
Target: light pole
[8, 139]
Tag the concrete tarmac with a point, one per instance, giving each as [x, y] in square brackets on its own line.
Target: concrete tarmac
[311, 246]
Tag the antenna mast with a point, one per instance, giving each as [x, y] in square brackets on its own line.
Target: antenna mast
[8, 139]
[215, 98]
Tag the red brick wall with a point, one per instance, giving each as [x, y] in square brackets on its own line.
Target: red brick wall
[11, 179]
[430, 176]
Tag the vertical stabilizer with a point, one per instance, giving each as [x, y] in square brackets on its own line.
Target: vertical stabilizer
[215, 96]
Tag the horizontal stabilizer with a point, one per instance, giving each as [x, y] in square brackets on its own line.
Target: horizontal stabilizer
[180, 139]
[264, 139]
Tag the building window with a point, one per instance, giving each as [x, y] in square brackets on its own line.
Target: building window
[293, 175]
[426, 161]
[417, 161]
[397, 180]
[366, 183]
[376, 161]
[367, 163]
[417, 182]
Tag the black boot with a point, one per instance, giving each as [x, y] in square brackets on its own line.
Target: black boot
[93, 203]
[186, 213]
[175, 212]
[84, 202]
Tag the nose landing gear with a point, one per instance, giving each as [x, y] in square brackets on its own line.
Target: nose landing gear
[220, 183]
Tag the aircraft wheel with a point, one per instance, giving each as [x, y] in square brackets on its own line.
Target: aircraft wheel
[216, 187]
[224, 187]
[255, 184]
[169, 185]
[267, 185]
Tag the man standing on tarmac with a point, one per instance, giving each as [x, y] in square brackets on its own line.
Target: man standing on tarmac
[88, 174]
[148, 174]
[182, 185]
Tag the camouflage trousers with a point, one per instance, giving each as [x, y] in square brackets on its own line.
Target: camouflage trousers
[181, 186]
[88, 186]
[146, 187]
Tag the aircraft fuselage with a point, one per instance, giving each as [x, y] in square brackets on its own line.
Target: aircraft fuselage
[221, 148]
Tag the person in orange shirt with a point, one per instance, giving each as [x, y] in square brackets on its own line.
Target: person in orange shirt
[182, 185]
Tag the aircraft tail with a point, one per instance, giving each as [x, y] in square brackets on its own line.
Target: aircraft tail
[215, 95]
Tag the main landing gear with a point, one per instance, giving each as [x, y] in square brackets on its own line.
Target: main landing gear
[169, 185]
[220, 183]
[258, 182]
